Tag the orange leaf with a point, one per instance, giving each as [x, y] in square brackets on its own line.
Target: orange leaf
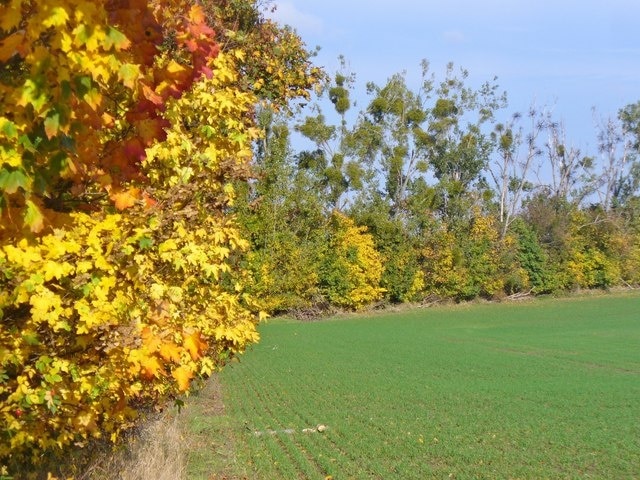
[107, 120]
[10, 45]
[51, 125]
[196, 14]
[125, 199]
[150, 340]
[33, 217]
[149, 201]
[194, 345]
[183, 376]
[151, 367]
[176, 71]
[151, 95]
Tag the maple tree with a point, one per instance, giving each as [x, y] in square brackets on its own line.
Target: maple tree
[123, 127]
[84, 98]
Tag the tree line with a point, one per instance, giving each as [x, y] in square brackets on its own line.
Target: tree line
[425, 194]
[153, 205]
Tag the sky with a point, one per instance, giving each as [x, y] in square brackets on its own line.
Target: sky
[564, 55]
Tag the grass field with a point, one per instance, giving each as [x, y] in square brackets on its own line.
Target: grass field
[543, 389]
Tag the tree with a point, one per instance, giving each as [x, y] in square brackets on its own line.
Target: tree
[436, 129]
[392, 128]
[511, 169]
[627, 183]
[533, 258]
[571, 172]
[613, 175]
[332, 164]
[283, 216]
[124, 129]
[459, 148]
[398, 245]
[595, 245]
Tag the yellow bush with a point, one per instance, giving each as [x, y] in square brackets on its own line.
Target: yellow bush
[352, 268]
[113, 311]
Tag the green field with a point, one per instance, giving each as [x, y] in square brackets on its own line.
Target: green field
[542, 389]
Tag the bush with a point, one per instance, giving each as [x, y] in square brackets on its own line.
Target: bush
[351, 268]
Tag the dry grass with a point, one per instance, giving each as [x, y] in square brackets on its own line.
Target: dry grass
[155, 452]
[192, 444]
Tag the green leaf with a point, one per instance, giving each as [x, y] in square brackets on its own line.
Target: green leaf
[27, 144]
[129, 73]
[58, 162]
[43, 363]
[145, 242]
[83, 84]
[53, 378]
[33, 217]
[116, 39]
[207, 131]
[12, 180]
[65, 88]
[82, 34]
[8, 128]
[31, 338]
[33, 95]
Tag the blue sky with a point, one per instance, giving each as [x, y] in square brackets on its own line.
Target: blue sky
[567, 55]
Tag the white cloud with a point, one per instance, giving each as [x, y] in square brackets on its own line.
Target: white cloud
[305, 23]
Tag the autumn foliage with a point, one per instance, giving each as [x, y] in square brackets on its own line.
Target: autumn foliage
[124, 126]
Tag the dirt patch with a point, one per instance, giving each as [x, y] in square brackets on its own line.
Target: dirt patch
[209, 436]
[209, 398]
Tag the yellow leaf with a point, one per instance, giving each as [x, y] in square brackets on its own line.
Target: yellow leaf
[56, 270]
[93, 99]
[129, 73]
[57, 17]
[83, 266]
[174, 67]
[150, 340]
[170, 352]
[66, 42]
[183, 376]
[11, 15]
[156, 291]
[167, 246]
